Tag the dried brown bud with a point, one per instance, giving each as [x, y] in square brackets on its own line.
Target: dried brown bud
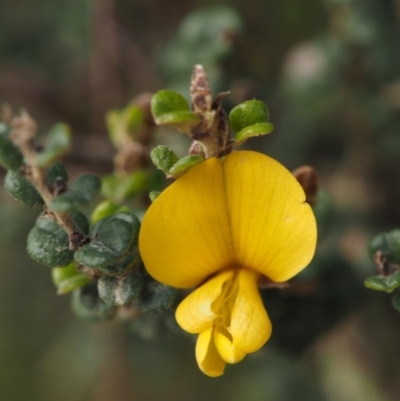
[307, 176]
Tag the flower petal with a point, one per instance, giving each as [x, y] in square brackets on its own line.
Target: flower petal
[228, 350]
[273, 229]
[185, 234]
[207, 356]
[196, 312]
[250, 326]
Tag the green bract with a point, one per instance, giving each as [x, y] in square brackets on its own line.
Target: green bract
[58, 143]
[48, 243]
[110, 244]
[120, 291]
[87, 305]
[171, 108]
[81, 193]
[383, 283]
[67, 279]
[249, 119]
[10, 156]
[387, 243]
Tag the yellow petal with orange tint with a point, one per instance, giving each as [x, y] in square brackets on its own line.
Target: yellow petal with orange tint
[207, 356]
[273, 229]
[196, 312]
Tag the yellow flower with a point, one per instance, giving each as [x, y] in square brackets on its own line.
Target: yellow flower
[219, 227]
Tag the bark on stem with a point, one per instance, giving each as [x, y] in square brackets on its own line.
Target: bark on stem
[23, 134]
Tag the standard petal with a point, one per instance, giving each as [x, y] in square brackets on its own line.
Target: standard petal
[185, 234]
[273, 229]
[250, 326]
[196, 312]
[207, 356]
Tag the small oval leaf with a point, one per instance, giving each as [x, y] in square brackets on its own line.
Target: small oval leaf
[58, 143]
[87, 305]
[163, 157]
[110, 244]
[81, 193]
[156, 297]
[258, 129]
[21, 189]
[10, 156]
[383, 283]
[120, 291]
[248, 113]
[184, 164]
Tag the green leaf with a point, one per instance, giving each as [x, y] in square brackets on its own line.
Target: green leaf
[103, 209]
[81, 193]
[167, 101]
[48, 243]
[120, 267]
[109, 186]
[10, 156]
[163, 157]
[171, 108]
[67, 279]
[133, 221]
[156, 297]
[21, 189]
[58, 143]
[184, 164]
[383, 283]
[110, 244]
[387, 243]
[396, 301]
[120, 291]
[252, 131]
[248, 113]
[249, 119]
[131, 185]
[153, 195]
[87, 305]
[56, 172]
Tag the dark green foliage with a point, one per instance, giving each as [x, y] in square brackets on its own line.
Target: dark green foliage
[383, 283]
[10, 156]
[387, 243]
[68, 278]
[109, 245]
[156, 297]
[120, 291]
[80, 194]
[21, 189]
[120, 267]
[87, 305]
[58, 143]
[48, 243]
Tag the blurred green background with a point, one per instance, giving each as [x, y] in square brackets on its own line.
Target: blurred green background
[330, 72]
